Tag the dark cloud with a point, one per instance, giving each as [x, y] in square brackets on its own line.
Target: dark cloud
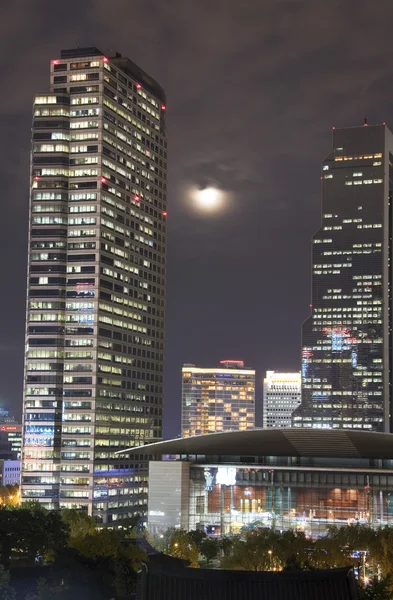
[253, 91]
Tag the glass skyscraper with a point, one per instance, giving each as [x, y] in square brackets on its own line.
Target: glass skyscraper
[217, 399]
[96, 284]
[347, 339]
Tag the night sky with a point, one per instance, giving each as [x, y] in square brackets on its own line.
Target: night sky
[253, 89]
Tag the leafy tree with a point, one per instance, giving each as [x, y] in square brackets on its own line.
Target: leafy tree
[225, 544]
[255, 552]
[78, 522]
[209, 548]
[43, 592]
[181, 546]
[30, 532]
[9, 495]
[377, 590]
[293, 545]
[6, 591]
[292, 564]
[197, 536]
[327, 553]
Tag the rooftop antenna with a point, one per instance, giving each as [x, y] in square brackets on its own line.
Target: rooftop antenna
[365, 122]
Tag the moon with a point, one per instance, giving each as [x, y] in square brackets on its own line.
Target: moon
[209, 199]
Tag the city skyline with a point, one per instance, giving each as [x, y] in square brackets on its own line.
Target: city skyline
[262, 145]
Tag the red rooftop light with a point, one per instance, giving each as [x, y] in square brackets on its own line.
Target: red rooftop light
[36, 178]
[164, 214]
[103, 179]
[55, 62]
[138, 86]
[137, 198]
[105, 59]
[163, 107]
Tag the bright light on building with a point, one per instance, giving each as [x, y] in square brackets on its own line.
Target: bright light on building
[217, 399]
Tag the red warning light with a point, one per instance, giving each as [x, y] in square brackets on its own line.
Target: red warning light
[103, 179]
[138, 86]
[163, 107]
[333, 127]
[36, 178]
[310, 305]
[137, 198]
[105, 59]
[164, 214]
[55, 62]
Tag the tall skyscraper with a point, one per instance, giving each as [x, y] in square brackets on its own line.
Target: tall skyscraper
[282, 393]
[96, 284]
[347, 339]
[217, 399]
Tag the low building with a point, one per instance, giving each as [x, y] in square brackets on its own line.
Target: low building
[159, 580]
[282, 394]
[285, 479]
[10, 472]
[10, 441]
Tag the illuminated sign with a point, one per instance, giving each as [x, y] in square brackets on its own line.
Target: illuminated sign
[226, 476]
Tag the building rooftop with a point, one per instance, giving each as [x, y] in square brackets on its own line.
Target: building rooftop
[121, 62]
[178, 583]
[297, 442]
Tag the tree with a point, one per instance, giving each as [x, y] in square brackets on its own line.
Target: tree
[295, 546]
[377, 590]
[44, 591]
[78, 522]
[255, 552]
[30, 533]
[197, 536]
[6, 591]
[209, 548]
[9, 495]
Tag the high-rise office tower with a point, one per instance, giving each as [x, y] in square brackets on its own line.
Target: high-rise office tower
[347, 339]
[96, 284]
[282, 393]
[217, 399]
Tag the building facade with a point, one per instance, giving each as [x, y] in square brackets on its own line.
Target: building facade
[96, 284]
[281, 479]
[346, 340]
[282, 393]
[217, 399]
[11, 440]
[9, 472]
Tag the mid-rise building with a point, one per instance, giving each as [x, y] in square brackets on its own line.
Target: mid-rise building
[282, 393]
[96, 284]
[217, 399]
[347, 339]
